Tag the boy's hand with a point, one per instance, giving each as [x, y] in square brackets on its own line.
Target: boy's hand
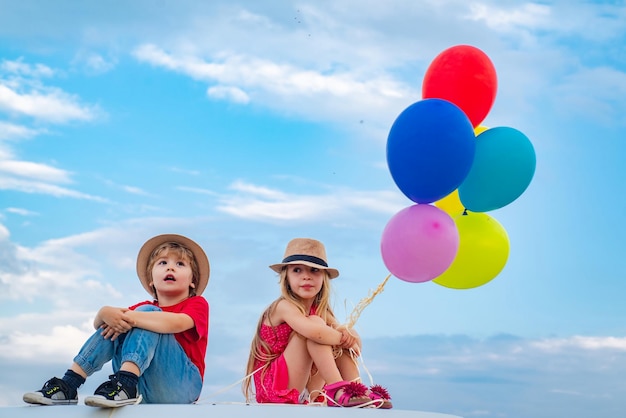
[115, 320]
[108, 332]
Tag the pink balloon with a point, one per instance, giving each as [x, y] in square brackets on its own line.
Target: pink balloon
[419, 243]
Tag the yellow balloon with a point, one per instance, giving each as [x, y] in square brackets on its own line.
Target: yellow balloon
[479, 130]
[482, 254]
[451, 204]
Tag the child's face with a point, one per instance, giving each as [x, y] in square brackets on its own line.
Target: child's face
[172, 274]
[305, 281]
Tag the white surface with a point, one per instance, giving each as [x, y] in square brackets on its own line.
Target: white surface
[210, 410]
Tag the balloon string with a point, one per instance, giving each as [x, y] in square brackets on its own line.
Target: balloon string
[356, 312]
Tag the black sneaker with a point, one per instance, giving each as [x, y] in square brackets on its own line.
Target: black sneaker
[112, 394]
[54, 392]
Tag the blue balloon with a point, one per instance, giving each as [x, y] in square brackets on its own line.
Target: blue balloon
[430, 149]
[503, 167]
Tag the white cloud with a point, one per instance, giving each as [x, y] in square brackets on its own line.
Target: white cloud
[524, 16]
[21, 211]
[266, 204]
[13, 131]
[262, 74]
[4, 233]
[233, 94]
[19, 67]
[310, 93]
[41, 187]
[34, 171]
[94, 63]
[61, 342]
[135, 190]
[23, 94]
[52, 105]
[259, 191]
[196, 190]
[30, 177]
[582, 342]
[50, 272]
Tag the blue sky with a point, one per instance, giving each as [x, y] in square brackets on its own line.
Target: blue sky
[243, 124]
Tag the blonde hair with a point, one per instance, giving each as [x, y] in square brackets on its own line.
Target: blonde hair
[181, 251]
[259, 349]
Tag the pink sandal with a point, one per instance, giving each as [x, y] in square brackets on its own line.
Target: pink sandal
[354, 394]
[377, 392]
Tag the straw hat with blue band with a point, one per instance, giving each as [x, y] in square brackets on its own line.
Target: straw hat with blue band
[308, 252]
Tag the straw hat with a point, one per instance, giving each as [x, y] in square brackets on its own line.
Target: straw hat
[154, 242]
[306, 251]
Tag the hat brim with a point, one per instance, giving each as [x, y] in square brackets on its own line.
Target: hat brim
[150, 245]
[332, 273]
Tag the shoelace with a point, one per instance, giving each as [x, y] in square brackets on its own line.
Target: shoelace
[117, 388]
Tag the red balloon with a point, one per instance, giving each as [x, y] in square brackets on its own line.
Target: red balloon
[465, 76]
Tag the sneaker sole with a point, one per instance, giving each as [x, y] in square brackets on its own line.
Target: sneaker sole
[38, 399]
[102, 402]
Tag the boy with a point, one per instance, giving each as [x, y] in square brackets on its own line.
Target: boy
[157, 347]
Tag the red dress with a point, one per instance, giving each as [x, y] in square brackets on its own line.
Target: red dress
[272, 383]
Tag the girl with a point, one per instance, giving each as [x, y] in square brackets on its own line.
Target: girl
[299, 346]
[157, 347]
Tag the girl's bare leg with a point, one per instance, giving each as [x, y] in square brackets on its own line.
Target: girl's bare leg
[302, 354]
[348, 367]
[316, 382]
[322, 356]
[299, 361]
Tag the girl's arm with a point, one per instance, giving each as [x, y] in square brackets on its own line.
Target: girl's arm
[310, 327]
[351, 339]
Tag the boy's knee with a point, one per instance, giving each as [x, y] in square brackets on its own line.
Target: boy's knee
[147, 308]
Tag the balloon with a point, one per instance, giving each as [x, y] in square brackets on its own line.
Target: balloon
[419, 243]
[465, 76]
[451, 204]
[480, 129]
[482, 254]
[430, 149]
[503, 167]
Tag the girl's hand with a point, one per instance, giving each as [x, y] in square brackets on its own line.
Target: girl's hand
[348, 339]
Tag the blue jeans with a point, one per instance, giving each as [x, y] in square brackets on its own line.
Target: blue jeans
[167, 374]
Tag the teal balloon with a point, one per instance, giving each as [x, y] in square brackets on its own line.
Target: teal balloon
[503, 167]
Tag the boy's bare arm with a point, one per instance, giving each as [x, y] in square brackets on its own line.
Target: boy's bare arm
[161, 322]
